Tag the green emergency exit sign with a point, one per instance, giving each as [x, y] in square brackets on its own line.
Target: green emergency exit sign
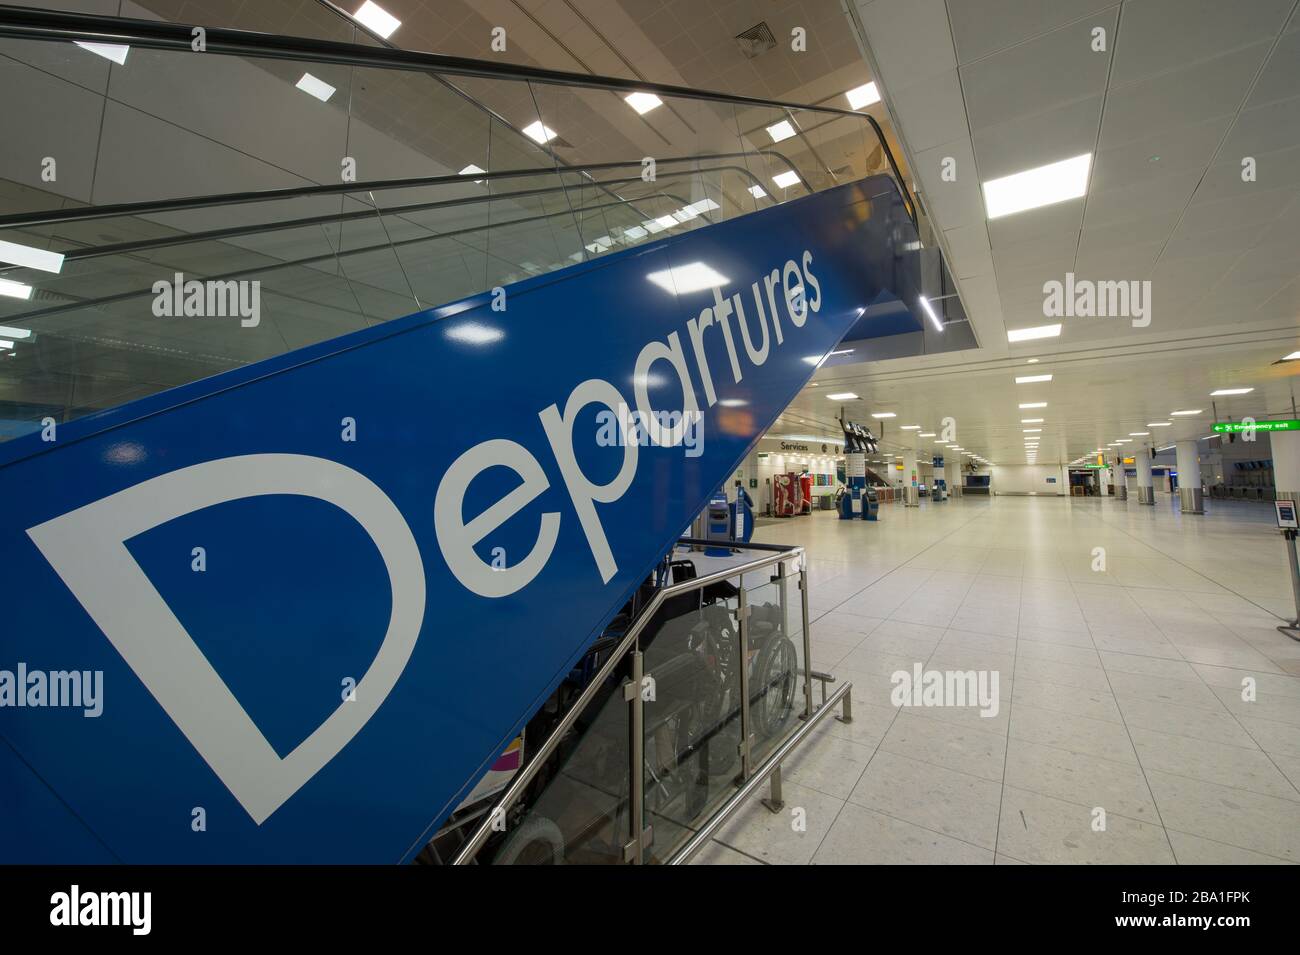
[1235, 427]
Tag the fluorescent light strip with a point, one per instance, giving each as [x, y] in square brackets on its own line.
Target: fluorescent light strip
[786, 179]
[318, 88]
[1231, 391]
[539, 133]
[376, 18]
[30, 258]
[862, 96]
[643, 102]
[1033, 404]
[1034, 332]
[758, 192]
[843, 396]
[109, 51]
[1177, 414]
[13, 289]
[1037, 187]
[8, 332]
[780, 131]
[1031, 379]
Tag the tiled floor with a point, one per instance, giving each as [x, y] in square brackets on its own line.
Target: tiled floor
[1121, 689]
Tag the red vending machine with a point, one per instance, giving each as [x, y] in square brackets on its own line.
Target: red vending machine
[805, 497]
[784, 490]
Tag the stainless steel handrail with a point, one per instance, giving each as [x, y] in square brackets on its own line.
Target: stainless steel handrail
[528, 772]
[771, 767]
[34, 24]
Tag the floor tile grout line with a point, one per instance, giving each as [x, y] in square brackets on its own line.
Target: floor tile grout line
[1192, 569]
[1138, 755]
[895, 718]
[865, 769]
[1134, 766]
[1150, 604]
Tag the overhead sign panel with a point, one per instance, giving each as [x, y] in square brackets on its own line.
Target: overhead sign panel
[1236, 427]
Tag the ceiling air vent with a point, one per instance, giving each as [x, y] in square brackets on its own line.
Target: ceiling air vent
[756, 41]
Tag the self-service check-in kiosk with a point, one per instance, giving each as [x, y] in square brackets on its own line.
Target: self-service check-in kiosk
[870, 504]
[1288, 522]
[938, 486]
[718, 524]
[742, 516]
[859, 501]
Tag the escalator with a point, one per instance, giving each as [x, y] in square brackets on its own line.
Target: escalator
[317, 489]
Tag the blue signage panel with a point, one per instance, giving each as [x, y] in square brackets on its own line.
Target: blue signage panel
[293, 612]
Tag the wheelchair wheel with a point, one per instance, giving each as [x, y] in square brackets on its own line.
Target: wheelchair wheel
[776, 677]
[537, 842]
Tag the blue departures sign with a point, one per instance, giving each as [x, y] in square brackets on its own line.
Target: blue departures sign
[376, 618]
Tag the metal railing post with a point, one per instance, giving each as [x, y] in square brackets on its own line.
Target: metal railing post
[629, 644]
[776, 799]
[807, 640]
[846, 709]
[634, 849]
[742, 637]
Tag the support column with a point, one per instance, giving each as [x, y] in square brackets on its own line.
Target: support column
[1117, 475]
[1286, 464]
[911, 476]
[1190, 496]
[1146, 490]
[1103, 481]
[952, 465]
[855, 477]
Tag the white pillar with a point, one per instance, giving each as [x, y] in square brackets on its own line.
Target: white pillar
[1190, 495]
[1146, 492]
[952, 464]
[1286, 464]
[911, 476]
[1121, 481]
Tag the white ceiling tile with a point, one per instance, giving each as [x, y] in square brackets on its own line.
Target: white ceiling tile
[1281, 77]
[982, 27]
[1159, 155]
[1036, 223]
[1044, 73]
[909, 39]
[1050, 250]
[1148, 228]
[1204, 90]
[1193, 244]
[1275, 170]
[956, 203]
[1131, 260]
[1037, 139]
[1254, 209]
[1151, 196]
[1265, 129]
[968, 250]
[930, 111]
[1159, 35]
